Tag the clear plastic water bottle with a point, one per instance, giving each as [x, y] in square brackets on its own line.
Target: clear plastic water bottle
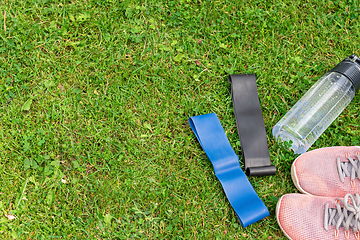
[319, 107]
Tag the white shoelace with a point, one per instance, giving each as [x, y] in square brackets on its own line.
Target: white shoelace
[347, 216]
[349, 169]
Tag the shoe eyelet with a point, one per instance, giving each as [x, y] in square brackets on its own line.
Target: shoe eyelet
[357, 235]
[347, 234]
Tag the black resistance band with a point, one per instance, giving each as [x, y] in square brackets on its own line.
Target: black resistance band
[250, 125]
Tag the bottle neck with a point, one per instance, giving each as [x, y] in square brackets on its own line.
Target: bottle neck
[350, 70]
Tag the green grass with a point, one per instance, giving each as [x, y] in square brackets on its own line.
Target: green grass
[98, 94]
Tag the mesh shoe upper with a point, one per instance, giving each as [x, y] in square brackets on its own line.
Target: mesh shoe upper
[318, 172]
[302, 216]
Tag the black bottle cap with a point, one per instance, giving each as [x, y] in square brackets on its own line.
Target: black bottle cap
[350, 67]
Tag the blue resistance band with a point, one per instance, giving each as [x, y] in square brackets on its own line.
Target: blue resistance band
[247, 205]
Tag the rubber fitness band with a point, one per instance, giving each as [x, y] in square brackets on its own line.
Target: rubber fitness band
[247, 205]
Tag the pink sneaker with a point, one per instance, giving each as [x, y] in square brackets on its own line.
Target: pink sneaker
[302, 216]
[328, 172]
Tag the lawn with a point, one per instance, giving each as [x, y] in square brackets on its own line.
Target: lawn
[95, 97]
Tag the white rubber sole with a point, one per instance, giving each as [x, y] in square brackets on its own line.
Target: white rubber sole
[295, 179]
[277, 217]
